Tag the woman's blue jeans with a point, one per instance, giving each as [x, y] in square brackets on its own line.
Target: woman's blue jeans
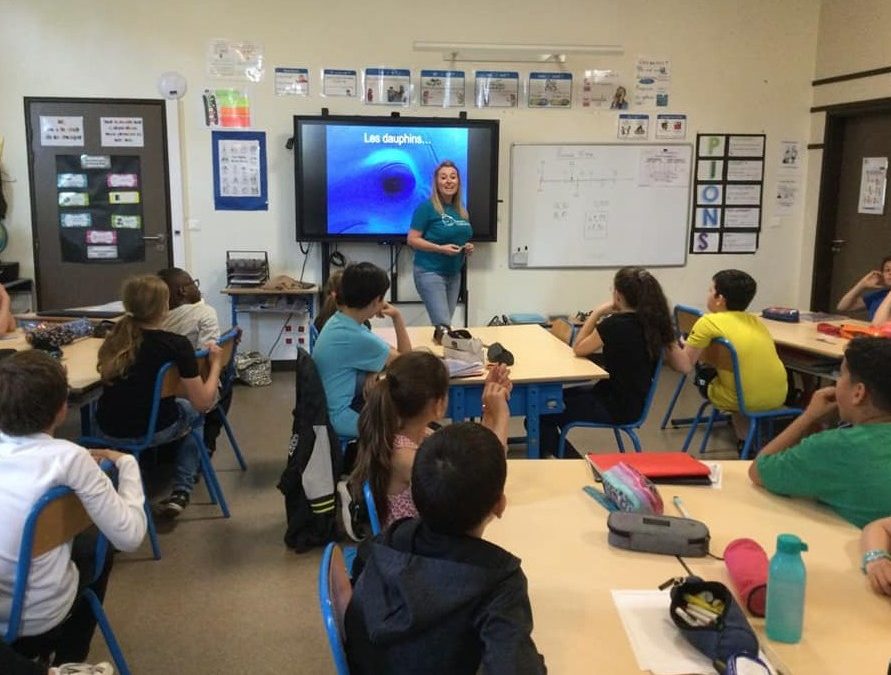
[439, 293]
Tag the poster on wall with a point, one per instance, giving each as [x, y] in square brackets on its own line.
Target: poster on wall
[235, 60]
[550, 90]
[653, 84]
[339, 82]
[442, 88]
[497, 88]
[632, 127]
[226, 108]
[602, 89]
[873, 178]
[671, 127]
[61, 131]
[239, 171]
[387, 86]
[121, 132]
[291, 82]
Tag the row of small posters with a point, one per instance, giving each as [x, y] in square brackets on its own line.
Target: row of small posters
[603, 89]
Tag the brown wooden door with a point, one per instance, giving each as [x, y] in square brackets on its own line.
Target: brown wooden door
[99, 196]
[851, 243]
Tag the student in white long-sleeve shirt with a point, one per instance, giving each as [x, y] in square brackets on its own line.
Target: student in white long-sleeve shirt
[33, 403]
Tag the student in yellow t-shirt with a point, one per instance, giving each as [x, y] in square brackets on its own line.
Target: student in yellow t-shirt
[762, 373]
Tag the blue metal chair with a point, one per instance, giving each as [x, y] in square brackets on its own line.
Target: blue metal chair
[372, 509]
[684, 318]
[629, 428]
[166, 384]
[227, 377]
[721, 354]
[335, 592]
[56, 518]
[313, 335]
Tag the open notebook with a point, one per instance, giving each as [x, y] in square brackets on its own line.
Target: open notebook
[458, 368]
[677, 468]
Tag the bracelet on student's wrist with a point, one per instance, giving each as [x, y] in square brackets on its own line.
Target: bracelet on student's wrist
[872, 556]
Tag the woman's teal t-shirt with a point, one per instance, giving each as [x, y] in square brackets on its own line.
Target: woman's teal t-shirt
[440, 228]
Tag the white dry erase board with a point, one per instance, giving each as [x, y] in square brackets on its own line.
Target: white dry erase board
[599, 205]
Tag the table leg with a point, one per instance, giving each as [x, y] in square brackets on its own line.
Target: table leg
[533, 450]
[457, 404]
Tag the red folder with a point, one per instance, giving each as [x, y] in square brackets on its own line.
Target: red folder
[660, 467]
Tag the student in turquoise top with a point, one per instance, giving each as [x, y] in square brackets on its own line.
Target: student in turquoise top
[440, 234]
[849, 469]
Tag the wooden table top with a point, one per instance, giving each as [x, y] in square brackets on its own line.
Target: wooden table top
[538, 355]
[560, 534]
[79, 359]
[805, 337]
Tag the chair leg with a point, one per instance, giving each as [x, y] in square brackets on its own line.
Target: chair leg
[634, 439]
[708, 429]
[750, 437]
[619, 441]
[561, 444]
[674, 400]
[235, 447]
[694, 425]
[210, 476]
[114, 648]
[152, 531]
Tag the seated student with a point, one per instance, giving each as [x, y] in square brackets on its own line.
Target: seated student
[346, 351]
[869, 292]
[633, 328]
[410, 394]
[33, 403]
[875, 545]
[13, 663]
[848, 468]
[329, 299]
[763, 375]
[129, 361]
[7, 321]
[197, 321]
[431, 595]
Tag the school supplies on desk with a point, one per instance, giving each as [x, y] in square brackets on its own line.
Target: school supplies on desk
[747, 565]
[671, 468]
[658, 534]
[630, 490]
[786, 314]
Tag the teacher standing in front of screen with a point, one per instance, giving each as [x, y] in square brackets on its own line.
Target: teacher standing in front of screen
[440, 234]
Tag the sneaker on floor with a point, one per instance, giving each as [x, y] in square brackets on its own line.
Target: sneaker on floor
[175, 504]
[346, 510]
[83, 669]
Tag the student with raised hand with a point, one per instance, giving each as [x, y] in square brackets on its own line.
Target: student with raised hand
[129, 361]
[33, 403]
[633, 328]
[440, 234]
[875, 547]
[346, 351]
[763, 375]
[868, 293]
[410, 394]
[849, 469]
[431, 596]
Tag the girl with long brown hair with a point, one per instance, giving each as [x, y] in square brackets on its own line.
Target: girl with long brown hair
[129, 362]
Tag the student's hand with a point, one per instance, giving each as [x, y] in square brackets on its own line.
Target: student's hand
[388, 310]
[872, 279]
[450, 249]
[879, 574]
[822, 405]
[500, 374]
[605, 308]
[468, 249]
[495, 398]
[214, 353]
[105, 453]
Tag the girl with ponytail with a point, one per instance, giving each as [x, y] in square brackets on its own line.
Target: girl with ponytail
[634, 329]
[129, 361]
[410, 394]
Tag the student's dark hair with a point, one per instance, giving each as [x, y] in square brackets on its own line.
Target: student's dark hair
[644, 295]
[886, 259]
[33, 387]
[737, 287]
[330, 295]
[869, 362]
[407, 386]
[458, 477]
[361, 283]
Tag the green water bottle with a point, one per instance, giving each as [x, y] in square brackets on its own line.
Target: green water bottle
[785, 590]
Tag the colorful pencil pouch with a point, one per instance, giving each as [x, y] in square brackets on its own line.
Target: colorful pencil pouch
[630, 490]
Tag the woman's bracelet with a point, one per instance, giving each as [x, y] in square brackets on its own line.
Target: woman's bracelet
[872, 556]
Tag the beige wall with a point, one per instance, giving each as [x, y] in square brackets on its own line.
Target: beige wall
[738, 66]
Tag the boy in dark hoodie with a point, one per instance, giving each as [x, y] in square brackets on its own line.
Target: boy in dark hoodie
[431, 595]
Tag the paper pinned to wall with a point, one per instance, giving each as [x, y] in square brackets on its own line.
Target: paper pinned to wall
[873, 178]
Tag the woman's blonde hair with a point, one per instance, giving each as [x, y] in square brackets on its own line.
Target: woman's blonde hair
[436, 200]
[145, 300]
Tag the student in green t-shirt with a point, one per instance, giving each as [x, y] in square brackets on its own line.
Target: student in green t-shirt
[440, 234]
[849, 468]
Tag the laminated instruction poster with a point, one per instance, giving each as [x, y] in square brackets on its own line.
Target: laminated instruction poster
[728, 189]
[99, 200]
[239, 171]
[442, 88]
[550, 90]
[387, 86]
[339, 82]
[497, 88]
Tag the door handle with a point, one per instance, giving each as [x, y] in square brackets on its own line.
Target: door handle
[839, 242]
[160, 238]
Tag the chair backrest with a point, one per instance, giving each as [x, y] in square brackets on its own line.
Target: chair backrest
[372, 509]
[226, 341]
[562, 330]
[651, 394]
[57, 517]
[335, 592]
[685, 317]
[722, 355]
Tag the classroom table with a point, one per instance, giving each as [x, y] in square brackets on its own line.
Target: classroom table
[560, 534]
[542, 365]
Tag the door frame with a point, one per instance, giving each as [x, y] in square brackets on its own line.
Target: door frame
[827, 209]
[29, 137]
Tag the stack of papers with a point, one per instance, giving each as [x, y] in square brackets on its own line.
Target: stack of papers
[458, 368]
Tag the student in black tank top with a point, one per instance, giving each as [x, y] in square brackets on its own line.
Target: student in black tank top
[633, 329]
